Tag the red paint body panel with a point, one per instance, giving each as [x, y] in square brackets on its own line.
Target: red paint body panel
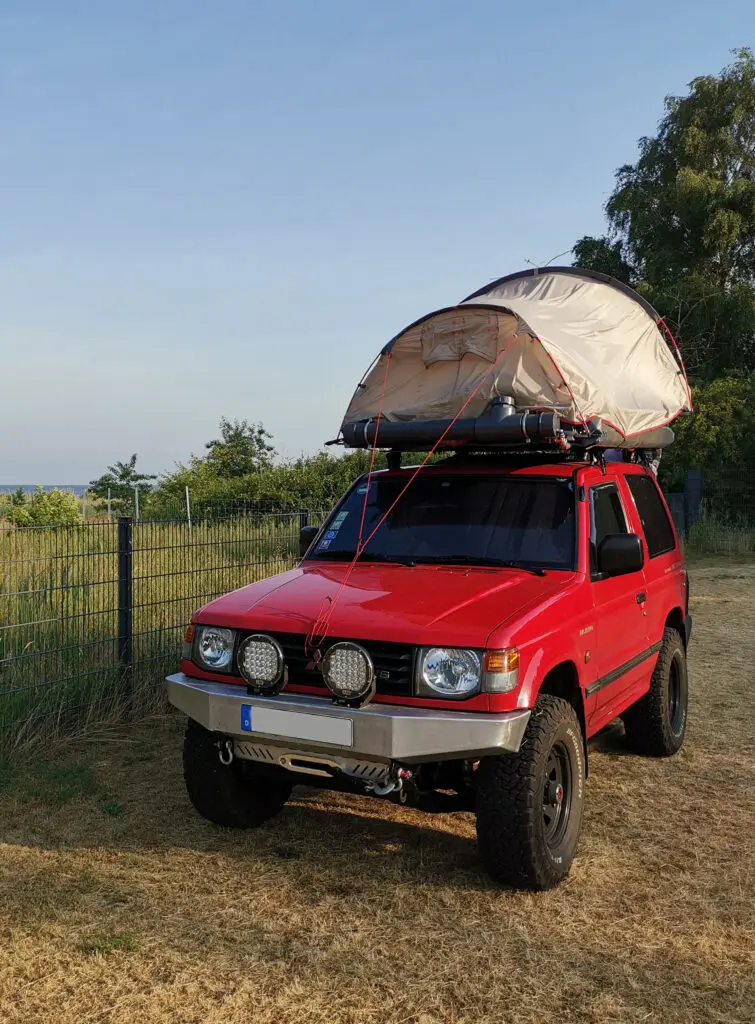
[596, 625]
[422, 604]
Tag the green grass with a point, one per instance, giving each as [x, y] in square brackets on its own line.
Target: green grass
[59, 669]
[714, 534]
[48, 783]
[99, 945]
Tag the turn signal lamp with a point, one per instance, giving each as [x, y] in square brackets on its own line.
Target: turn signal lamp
[500, 670]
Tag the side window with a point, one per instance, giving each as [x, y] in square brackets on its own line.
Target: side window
[653, 515]
[606, 516]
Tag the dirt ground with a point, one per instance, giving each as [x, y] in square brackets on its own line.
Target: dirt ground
[117, 903]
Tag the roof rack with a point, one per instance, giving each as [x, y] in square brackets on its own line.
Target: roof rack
[503, 429]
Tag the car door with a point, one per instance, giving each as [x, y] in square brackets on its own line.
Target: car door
[620, 620]
[665, 580]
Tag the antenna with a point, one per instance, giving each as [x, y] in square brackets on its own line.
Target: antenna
[557, 256]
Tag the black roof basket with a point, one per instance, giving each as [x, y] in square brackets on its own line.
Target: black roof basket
[502, 428]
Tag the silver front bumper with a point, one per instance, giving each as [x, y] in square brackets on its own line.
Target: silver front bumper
[376, 733]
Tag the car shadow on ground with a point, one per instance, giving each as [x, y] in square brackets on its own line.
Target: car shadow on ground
[129, 801]
[611, 741]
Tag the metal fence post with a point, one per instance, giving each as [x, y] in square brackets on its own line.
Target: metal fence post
[126, 607]
[304, 519]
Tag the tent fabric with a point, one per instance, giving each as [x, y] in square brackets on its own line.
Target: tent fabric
[581, 344]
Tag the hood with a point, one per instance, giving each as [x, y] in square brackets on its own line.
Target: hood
[422, 604]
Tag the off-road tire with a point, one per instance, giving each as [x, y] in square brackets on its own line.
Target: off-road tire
[656, 723]
[512, 835]
[242, 794]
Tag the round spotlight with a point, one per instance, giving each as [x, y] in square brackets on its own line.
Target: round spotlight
[260, 661]
[349, 673]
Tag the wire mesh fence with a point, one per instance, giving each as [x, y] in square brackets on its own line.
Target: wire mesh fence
[714, 512]
[91, 616]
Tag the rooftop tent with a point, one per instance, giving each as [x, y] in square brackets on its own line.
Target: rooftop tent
[557, 338]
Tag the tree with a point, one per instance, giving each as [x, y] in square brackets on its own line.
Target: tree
[604, 255]
[241, 449]
[120, 480]
[719, 437]
[682, 220]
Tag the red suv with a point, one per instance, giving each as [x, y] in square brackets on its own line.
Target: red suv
[502, 613]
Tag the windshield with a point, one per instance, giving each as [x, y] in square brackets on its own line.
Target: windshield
[459, 518]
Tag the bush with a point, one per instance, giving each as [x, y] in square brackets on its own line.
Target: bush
[314, 482]
[47, 508]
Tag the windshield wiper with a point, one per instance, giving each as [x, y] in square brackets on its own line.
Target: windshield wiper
[388, 559]
[510, 564]
[494, 563]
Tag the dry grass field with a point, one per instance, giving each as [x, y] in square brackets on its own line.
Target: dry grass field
[118, 904]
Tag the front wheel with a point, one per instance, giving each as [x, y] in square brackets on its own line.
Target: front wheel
[241, 794]
[529, 805]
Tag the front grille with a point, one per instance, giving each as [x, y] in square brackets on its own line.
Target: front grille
[394, 663]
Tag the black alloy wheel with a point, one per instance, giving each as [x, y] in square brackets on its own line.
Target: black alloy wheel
[557, 795]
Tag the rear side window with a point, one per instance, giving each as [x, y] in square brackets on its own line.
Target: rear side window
[656, 525]
[607, 516]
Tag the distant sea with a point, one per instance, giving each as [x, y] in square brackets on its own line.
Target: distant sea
[78, 489]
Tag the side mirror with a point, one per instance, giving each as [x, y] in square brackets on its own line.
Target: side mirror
[620, 553]
[306, 535]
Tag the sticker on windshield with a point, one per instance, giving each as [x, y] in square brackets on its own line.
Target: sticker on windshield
[331, 534]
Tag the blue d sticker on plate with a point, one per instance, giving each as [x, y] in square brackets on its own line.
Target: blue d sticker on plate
[330, 535]
[246, 717]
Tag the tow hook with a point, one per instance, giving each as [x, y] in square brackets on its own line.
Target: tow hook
[395, 784]
[225, 751]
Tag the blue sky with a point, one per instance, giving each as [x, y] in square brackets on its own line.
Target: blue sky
[225, 208]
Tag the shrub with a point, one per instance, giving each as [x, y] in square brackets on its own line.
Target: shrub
[47, 508]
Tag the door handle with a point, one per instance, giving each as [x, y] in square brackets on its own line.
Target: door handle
[641, 597]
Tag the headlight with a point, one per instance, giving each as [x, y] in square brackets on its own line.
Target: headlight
[214, 648]
[261, 663]
[448, 672]
[349, 673]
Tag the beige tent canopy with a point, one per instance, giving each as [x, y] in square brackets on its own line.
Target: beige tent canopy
[560, 338]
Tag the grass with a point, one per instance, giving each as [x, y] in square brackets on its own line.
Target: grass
[356, 911]
[121, 942]
[713, 535]
[59, 668]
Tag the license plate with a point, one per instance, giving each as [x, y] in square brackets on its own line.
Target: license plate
[297, 725]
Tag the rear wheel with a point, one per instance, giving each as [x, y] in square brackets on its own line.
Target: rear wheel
[655, 725]
[241, 794]
[529, 805]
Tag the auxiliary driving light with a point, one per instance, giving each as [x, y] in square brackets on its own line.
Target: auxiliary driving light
[260, 661]
[349, 673]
